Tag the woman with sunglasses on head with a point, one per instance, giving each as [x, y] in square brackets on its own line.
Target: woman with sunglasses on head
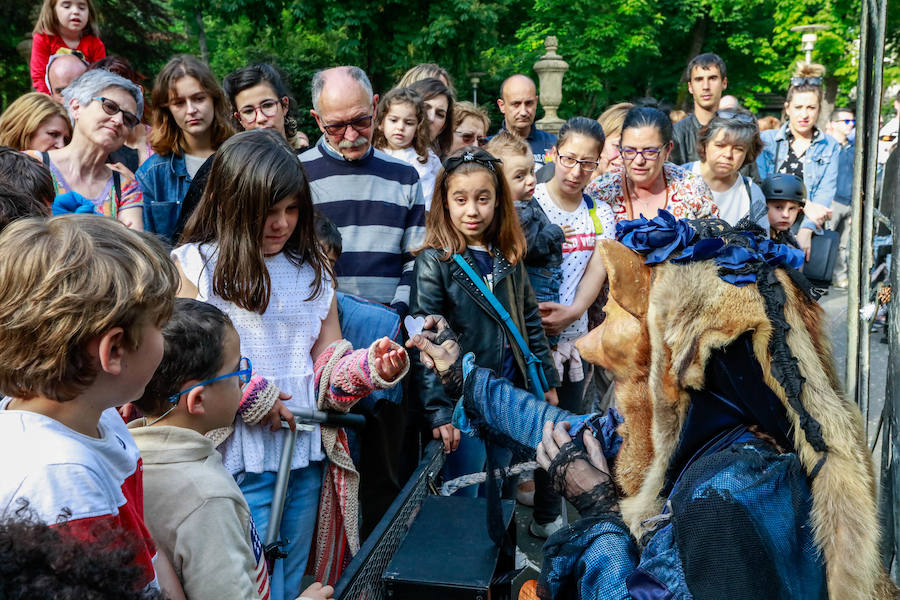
[104, 108]
[728, 142]
[800, 148]
[649, 183]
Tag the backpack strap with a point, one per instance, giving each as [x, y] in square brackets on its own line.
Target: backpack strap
[592, 210]
[45, 158]
[534, 367]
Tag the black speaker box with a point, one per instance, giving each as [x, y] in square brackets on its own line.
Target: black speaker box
[448, 554]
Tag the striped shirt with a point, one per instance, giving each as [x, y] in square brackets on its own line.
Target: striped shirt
[377, 205]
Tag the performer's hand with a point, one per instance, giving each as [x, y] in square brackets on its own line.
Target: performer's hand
[436, 343]
[581, 476]
[317, 591]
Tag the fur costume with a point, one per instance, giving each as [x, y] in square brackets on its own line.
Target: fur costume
[673, 317]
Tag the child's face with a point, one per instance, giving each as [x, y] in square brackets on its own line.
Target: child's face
[518, 169]
[399, 125]
[471, 202]
[222, 398]
[141, 363]
[72, 16]
[782, 214]
[280, 224]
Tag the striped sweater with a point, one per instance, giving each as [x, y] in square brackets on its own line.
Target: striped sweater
[377, 205]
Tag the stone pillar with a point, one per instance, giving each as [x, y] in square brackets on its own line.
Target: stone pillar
[550, 69]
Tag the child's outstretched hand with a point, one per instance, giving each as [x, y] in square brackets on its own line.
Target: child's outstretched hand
[390, 359]
[279, 412]
[317, 591]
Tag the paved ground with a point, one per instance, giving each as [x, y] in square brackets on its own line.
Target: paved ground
[835, 306]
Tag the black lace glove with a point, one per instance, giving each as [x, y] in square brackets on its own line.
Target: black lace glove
[578, 473]
[440, 352]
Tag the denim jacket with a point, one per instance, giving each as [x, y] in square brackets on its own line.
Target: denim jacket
[820, 165]
[165, 182]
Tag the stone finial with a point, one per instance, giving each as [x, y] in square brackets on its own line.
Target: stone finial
[550, 69]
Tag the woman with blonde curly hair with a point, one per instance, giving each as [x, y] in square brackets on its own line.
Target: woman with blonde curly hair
[35, 121]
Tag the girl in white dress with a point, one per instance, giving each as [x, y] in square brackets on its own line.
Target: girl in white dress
[250, 249]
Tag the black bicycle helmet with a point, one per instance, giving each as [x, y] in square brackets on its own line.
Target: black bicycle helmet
[782, 186]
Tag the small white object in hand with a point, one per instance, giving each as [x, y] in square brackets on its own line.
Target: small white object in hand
[866, 313]
[414, 325]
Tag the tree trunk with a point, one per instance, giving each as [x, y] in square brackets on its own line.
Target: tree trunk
[698, 38]
[201, 36]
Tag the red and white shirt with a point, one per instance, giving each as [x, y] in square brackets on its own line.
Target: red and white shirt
[87, 485]
[577, 249]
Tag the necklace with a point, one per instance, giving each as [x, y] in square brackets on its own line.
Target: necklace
[629, 208]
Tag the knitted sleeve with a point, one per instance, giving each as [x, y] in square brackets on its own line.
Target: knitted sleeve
[344, 375]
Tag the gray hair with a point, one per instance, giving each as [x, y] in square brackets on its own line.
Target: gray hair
[93, 82]
[355, 73]
[743, 133]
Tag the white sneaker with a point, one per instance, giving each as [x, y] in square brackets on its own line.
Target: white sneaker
[547, 529]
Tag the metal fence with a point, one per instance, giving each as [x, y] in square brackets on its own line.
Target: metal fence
[867, 214]
[361, 579]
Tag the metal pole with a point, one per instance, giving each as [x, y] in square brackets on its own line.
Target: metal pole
[873, 108]
[893, 376]
[855, 242]
[281, 486]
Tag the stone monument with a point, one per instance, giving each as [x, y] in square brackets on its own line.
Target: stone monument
[550, 69]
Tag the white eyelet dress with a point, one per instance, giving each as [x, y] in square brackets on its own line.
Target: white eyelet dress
[278, 343]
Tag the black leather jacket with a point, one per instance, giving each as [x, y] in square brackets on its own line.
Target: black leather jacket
[441, 287]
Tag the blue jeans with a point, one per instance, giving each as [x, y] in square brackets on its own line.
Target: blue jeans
[470, 457]
[298, 522]
[545, 282]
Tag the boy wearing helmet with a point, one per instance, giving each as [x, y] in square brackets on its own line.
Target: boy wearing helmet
[785, 197]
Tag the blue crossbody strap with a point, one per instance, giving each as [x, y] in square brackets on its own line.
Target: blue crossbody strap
[531, 360]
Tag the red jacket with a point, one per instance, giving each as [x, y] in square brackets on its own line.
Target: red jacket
[45, 45]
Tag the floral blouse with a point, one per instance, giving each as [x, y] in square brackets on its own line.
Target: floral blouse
[688, 196]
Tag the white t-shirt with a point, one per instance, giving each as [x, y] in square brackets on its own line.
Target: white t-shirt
[734, 203]
[193, 163]
[577, 249]
[427, 171]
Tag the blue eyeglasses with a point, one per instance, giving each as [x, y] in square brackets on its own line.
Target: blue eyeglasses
[243, 373]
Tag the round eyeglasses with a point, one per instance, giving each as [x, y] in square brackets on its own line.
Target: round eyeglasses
[269, 108]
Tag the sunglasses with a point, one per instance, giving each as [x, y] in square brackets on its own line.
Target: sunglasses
[110, 107]
[798, 81]
[737, 116]
[469, 138]
[360, 124]
[245, 369]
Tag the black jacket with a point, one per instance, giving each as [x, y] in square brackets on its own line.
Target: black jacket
[543, 238]
[443, 288]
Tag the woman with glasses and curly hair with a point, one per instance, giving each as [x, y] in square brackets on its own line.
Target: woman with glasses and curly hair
[800, 148]
[728, 142]
[647, 182]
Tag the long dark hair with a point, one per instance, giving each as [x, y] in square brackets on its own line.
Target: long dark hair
[429, 88]
[251, 172]
[253, 75]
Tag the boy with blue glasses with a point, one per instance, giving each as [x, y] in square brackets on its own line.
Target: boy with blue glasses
[192, 505]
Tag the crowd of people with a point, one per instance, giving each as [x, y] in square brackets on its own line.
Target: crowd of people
[297, 262]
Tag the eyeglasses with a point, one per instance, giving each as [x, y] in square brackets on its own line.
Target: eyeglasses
[647, 153]
[469, 138]
[360, 124]
[269, 108]
[110, 107]
[587, 166]
[798, 81]
[245, 369]
[737, 116]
